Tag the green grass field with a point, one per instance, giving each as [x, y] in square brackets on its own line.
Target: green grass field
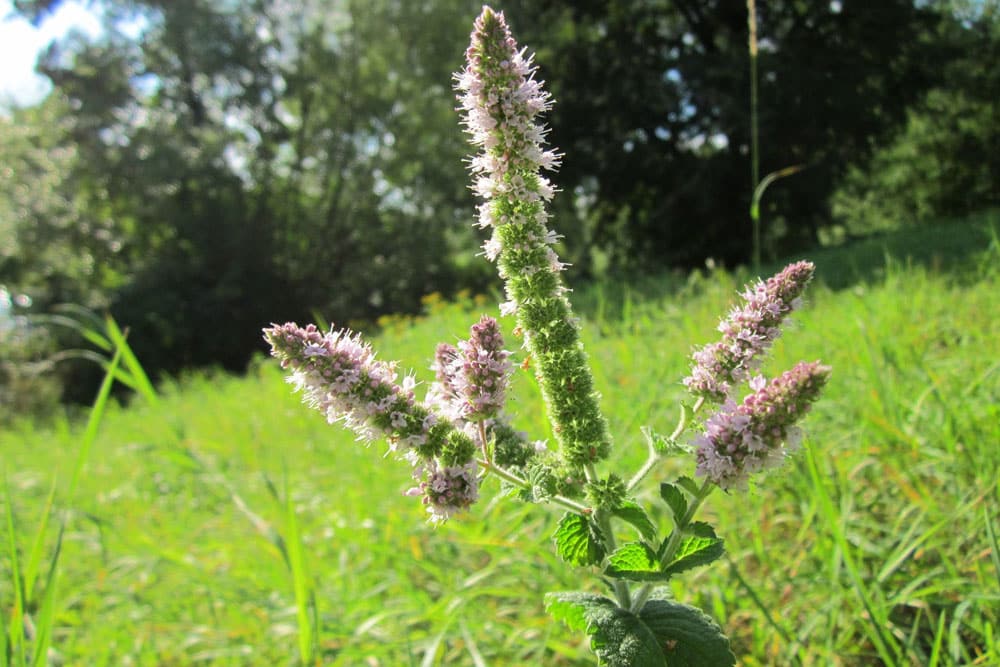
[204, 527]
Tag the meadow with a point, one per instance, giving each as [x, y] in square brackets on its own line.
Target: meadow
[222, 523]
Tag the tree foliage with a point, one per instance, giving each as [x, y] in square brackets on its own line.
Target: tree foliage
[945, 160]
[204, 167]
[653, 113]
[262, 160]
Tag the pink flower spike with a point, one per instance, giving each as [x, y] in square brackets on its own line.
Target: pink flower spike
[338, 374]
[741, 440]
[747, 333]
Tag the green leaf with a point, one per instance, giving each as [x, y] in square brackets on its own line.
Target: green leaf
[700, 547]
[34, 563]
[617, 636]
[94, 421]
[689, 485]
[139, 380]
[634, 514]
[635, 561]
[576, 542]
[687, 636]
[663, 445]
[14, 628]
[700, 529]
[46, 610]
[674, 498]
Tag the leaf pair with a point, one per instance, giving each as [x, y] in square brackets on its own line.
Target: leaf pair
[637, 561]
[662, 633]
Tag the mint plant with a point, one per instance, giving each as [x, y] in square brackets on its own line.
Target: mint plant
[739, 422]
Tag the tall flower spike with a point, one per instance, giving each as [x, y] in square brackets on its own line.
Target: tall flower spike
[501, 101]
[747, 333]
[741, 440]
[339, 375]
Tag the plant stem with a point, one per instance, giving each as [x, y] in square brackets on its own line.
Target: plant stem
[603, 520]
[508, 476]
[482, 442]
[655, 456]
[754, 132]
[675, 540]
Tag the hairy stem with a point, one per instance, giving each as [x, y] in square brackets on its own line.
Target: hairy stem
[655, 456]
[603, 520]
[642, 595]
[508, 476]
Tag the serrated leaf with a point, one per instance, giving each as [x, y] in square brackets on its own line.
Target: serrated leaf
[634, 514]
[634, 556]
[576, 542]
[689, 485]
[696, 550]
[700, 529]
[635, 561]
[617, 636]
[674, 498]
[663, 445]
[687, 637]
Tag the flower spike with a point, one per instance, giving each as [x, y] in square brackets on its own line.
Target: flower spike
[501, 99]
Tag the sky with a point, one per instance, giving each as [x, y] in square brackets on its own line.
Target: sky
[20, 44]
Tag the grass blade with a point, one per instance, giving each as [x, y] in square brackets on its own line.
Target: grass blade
[300, 580]
[46, 611]
[884, 643]
[994, 547]
[140, 381]
[762, 607]
[93, 422]
[33, 565]
[15, 628]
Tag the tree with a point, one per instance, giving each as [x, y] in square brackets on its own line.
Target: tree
[945, 161]
[652, 112]
[266, 161]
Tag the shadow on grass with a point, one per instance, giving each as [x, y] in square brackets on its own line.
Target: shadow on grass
[954, 247]
[965, 249]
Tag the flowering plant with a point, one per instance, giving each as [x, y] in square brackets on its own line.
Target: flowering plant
[459, 433]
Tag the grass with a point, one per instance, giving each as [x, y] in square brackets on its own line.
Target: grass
[221, 523]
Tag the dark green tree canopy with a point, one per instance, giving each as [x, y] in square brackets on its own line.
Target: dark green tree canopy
[653, 114]
[210, 166]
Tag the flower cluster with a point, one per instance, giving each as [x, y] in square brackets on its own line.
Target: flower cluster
[501, 100]
[447, 490]
[472, 378]
[340, 376]
[740, 440]
[747, 333]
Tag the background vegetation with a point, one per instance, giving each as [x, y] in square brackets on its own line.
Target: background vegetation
[176, 541]
[203, 168]
[308, 153]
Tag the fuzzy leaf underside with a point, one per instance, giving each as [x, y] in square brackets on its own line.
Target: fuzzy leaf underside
[617, 636]
[576, 542]
[631, 512]
[687, 637]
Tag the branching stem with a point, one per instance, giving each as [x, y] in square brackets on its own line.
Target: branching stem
[518, 481]
[675, 540]
[655, 456]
